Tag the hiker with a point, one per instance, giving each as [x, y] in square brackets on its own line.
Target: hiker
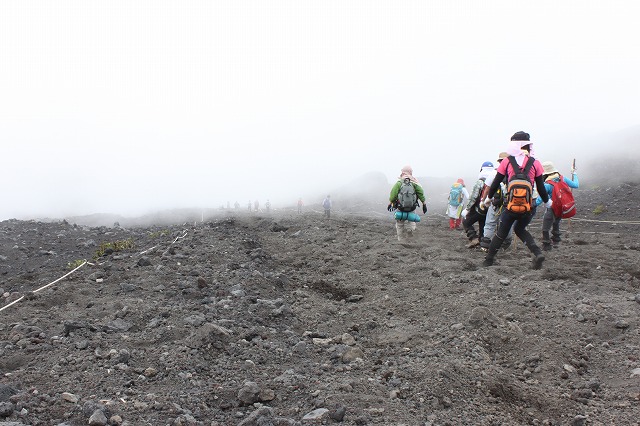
[326, 204]
[521, 170]
[257, 205]
[475, 210]
[494, 210]
[249, 206]
[236, 205]
[299, 205]
[404, 197]
[551, 218]
[458, 196]
[267, 206]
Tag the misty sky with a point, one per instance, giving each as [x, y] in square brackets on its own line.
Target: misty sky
[130, 106]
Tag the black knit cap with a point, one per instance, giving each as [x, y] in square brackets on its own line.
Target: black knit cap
[520, 136]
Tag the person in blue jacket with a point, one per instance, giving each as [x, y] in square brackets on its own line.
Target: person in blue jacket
[550, 222]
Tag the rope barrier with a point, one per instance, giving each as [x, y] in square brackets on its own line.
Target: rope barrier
[623, 222]
[80, 266]
[43, 287]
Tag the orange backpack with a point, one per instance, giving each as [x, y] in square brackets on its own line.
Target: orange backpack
[519, 188]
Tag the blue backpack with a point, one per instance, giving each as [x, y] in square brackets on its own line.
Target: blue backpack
[455, 196]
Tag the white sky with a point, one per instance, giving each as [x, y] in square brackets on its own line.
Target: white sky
[131, 106]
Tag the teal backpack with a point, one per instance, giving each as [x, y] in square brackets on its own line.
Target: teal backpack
[455, 195]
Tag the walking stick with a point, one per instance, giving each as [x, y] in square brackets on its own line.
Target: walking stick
[573, 176]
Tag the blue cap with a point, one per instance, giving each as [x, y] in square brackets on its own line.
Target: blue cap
[487, 164]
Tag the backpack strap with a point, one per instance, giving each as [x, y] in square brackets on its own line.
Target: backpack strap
[517, 169]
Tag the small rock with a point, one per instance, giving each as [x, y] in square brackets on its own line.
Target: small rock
[622, 324]
[338, 414]
[635, 372]
[249, 393]
[150, 372]
[98, 419]
[144, 261]
[504, 281]
[6, 409]
[351, 354]
[315, 414]
[69, 397]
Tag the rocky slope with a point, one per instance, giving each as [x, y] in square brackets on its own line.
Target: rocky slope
[288, 319]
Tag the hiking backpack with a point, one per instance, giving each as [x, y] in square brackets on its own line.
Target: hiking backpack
[519, 188]
[564, 205]
[407, 197]
[455, 195]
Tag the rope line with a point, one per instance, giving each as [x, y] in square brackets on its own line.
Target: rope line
[45, 286]
[78, 267]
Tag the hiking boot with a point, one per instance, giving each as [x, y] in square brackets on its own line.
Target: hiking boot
[488, 261]
[537, 261]
[473, 243]
[546, 246]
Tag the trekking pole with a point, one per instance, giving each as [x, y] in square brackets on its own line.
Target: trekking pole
[573, 176]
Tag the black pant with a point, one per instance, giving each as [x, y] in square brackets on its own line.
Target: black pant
[519, 223]
[472, 217]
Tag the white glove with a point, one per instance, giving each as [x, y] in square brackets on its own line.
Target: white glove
[464, 213]
[548, 203]
[487, 202]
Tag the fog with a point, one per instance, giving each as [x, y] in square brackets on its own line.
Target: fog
[133, 107]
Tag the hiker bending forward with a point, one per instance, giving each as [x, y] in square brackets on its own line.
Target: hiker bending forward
[551, 222]
[405, 228]
[520, 152]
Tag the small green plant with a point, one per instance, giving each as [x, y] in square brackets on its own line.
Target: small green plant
[600, 208]
[158, 234]
[110, 247]
[75, 263]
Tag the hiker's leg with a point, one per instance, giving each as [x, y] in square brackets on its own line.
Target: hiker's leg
[410, 228]
[504, 225]
[458, 223]
[482, 221]
[520, 229]
[400, 229]
[452, 223]
[555, 231]
[547, 223]
[467, 223]
[490, 223]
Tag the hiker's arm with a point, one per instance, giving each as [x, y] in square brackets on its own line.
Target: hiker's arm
[495, 184]
[419, 192]
[572, 183]
[474, 196]
[549, 189]
[394, 192]
[542, 190]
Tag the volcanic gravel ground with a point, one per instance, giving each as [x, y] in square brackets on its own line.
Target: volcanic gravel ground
[288, 319]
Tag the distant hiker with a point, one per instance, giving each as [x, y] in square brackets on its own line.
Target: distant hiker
[458, 196]
[521, 170]
[494, 210]
[404, 197]
[249, 206]
[299, 205]
[558, 188]
[267, 206]
[475, 210]
[326, 204]
[236, 205]
[256, 204]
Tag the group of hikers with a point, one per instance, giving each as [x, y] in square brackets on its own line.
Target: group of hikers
[503, 201]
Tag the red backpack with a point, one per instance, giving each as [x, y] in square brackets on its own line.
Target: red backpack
[564, 205]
